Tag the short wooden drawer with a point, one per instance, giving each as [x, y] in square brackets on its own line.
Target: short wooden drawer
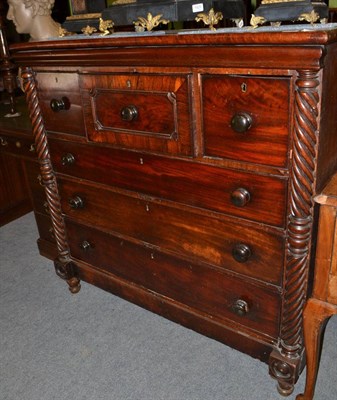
[18, 145]
[246, 118]
[228, 244]
[148, 112]
[60, 102]
[247, 195]
[209, 291]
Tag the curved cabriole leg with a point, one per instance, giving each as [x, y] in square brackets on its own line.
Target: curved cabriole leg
[316, 313]
[64, 267]
[287, 360]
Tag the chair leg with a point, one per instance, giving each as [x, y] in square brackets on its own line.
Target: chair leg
[316, 312]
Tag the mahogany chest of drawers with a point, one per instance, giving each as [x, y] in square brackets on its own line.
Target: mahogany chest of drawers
[180, 170]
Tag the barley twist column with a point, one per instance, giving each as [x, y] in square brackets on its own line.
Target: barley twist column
[285, 364]
[64, 267]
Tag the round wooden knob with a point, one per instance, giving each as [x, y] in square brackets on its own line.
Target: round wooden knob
[129, 113]
[59, 104]
[240, 307]
[3, 141]
[241, 122]
[241, 252]
[85, 245]
[76, 202]
[67, 159]
[240, 197]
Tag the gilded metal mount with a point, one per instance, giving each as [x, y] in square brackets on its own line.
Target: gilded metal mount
[211, 18]
[150, 22]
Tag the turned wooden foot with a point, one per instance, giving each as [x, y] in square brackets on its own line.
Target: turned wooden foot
[316, 312]
[284, 389]
[74, 285]
[285, 370]
[68, 272]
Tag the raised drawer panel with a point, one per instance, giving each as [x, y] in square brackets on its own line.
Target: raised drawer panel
[147, 112]
[60, 102]
[193, 184]
[246, 118]
[248, 250]
[209, 291]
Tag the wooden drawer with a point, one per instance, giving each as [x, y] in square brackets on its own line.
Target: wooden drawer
[18, 145]
[209, 291]
[148, 112]
[245, 249]
[190, 183]
[56, 89]
[246, 118]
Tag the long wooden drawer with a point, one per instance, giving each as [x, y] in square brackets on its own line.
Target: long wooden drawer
[246, 118]
[209, 291]
[138, 111]
[246, 249]
[255, 197]
[60, 102]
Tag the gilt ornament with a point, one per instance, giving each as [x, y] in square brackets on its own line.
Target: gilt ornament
[150, 22]
[211, 18]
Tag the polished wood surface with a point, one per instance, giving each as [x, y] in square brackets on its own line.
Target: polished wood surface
[180, 173]
[14, 195]
[323, 303]
[20, 181]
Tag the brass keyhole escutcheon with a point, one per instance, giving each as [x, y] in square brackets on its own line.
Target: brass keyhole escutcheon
[244, 87]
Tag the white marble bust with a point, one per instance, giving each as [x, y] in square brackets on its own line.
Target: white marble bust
[33, 17]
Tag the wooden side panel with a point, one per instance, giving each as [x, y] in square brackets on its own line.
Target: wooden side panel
[14, 196]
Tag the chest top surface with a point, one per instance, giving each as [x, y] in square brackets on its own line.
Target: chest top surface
[298, 45]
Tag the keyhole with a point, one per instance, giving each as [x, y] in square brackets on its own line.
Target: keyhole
[244, 87]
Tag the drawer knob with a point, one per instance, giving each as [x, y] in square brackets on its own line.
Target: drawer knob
[59, 104]
[241, 252]
[3, 142]
[240, 307]
[240, 197]
[85, 245]
[129, 113]
[67, 159]
[76, 202]
[241, 122]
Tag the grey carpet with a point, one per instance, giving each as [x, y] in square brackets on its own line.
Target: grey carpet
[95, 346]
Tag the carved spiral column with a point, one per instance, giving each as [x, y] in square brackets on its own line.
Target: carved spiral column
[63, 265]
[285, 364]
